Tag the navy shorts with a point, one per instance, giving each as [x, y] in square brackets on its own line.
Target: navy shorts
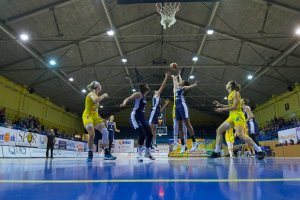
[137, 119]
[252, 127]
[182, 112]
[154, 115]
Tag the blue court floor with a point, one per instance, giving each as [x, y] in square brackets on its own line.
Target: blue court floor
[192, 178]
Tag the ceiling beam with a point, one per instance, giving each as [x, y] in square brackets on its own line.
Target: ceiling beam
[233, 37]
[84, 40]
[280, 5]
[38, 11]
[261, 72]
[211, 17]
[242, 68]
[37, 56]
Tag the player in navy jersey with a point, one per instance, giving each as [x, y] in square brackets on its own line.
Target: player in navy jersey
[251, 123]
[112, 128]
[138, 121]
[157, 109]
[181, 110]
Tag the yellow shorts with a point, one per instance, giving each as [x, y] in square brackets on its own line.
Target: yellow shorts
[229, 136]
[91, 118]
[236, 119]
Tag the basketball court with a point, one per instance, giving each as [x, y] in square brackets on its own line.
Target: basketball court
[54, 53]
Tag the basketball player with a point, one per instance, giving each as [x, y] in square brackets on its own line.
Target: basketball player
[138, 121]
[251, 123]
[235, 120]
[181, 111]
[175, 124]
[92, 120]
[229, 138]
[156, 110]
[112, 128]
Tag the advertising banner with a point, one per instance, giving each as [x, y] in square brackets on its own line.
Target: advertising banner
[41, 141]
[287, 135]
[27, 139]
[124, 146]
[8, 136]
[62, 144]
[15, 152]
[38, 153]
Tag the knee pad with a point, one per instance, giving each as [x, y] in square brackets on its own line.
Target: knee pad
[104, 133]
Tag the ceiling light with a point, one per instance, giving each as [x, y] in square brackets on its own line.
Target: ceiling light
[52, 62]
[83, 90]
[195, 58]
[71, 79]
[192, 76]
[210, 32]
[24, 37]
[133, 90]
[101, 106]
[225, 98]
[110, 32]
[297, 31]
[124, 60]
[249, 77]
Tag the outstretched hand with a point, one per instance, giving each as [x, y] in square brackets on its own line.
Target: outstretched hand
[105, 95]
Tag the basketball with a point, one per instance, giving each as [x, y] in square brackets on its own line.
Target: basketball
[173, 66]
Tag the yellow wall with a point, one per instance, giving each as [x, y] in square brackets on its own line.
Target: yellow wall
[197, 118]
[276, 107]
[19, 102]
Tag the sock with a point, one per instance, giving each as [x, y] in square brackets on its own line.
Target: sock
[218, 148]
[154, 141]
[182, 141]
[140, 149]
[257, 148]
[193, 138]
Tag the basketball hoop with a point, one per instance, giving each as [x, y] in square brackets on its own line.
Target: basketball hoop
[167, 12]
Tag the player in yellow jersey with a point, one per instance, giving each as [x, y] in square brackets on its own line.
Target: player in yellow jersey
[235, 120]
[92, 120]
[229, 138]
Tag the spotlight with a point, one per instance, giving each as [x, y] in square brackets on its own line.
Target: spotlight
[297, 32]
[133, 90]
[209, 32]
[71, 79]
[195, 58]
[24, 37]
[101, 106]
[225, 98]
[52, 62]
[83, 90]
[249, 77]
[192, 76]
[110, 32]
[124, 60]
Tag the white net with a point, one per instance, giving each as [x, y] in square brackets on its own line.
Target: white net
[167, 12]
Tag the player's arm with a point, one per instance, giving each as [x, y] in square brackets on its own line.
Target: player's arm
[116, 129]
[163, 85]
[249, 114]
[190, 86]
[135, 95]
[97, 99]
[234, 106]
[165, 105]
[175, 82]
[220, 105]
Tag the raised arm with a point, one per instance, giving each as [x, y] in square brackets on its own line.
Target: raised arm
[165, 105]
[135, 95]
[163, 85]
[190, 86]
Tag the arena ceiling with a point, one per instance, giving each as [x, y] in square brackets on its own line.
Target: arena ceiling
[251, 37]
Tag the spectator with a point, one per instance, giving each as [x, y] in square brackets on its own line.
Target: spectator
[2, 116]
[50, 143]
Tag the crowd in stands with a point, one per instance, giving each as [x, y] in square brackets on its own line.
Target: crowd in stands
[280, 123]
[31, 124]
